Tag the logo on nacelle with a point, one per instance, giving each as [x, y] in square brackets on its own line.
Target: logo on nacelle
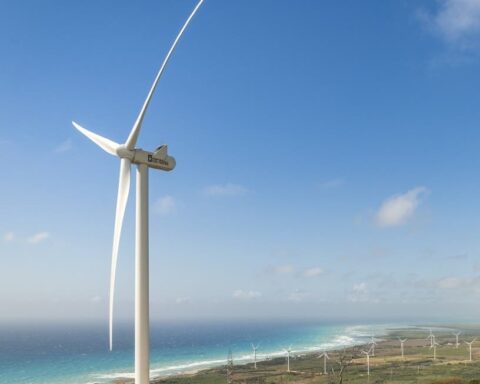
[152, 159]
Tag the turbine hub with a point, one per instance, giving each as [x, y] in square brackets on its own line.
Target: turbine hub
[123, 152]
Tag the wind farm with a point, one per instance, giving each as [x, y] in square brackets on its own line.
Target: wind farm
[313, 219]
[356, 364]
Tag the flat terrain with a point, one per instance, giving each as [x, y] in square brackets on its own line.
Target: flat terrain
[451, 364]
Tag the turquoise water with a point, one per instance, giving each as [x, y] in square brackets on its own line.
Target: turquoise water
[79, 354]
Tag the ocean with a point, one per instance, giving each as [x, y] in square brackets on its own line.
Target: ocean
[67, 354]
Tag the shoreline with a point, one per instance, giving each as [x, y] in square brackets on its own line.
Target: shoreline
[274, 357]
[306, 365]
[277, 359]
[354, 335]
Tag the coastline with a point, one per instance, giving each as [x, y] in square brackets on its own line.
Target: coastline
[67, 354]
[354, 336]
[199, 356]
[306, 366]
[278, 360]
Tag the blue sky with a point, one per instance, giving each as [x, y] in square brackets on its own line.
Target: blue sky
[327, 157]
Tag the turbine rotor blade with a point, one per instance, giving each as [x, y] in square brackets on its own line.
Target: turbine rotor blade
[107, 145]
[122, 198]
[132, 138]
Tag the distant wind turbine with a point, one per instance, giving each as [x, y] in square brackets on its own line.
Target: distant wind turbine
[470, 346]
[402, 341]
[159, 159]
[456, 334]
[373, 344]
[325, 357]
[431, 337]
[255, 348]
[288, 351]
[367, 354]
[434, 347]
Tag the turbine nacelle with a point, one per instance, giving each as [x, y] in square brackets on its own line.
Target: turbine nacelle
[158, 159]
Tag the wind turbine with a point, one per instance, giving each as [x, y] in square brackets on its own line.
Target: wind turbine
[431, 336]
[288, 351]
[159, 159]
[367, 353]
[402, 341]
[434, 347]
[325, 357]
[373, 344]
[255, 347]
[470, 346]
[456, 334]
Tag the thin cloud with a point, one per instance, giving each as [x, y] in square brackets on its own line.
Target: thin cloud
[332, 184]
[457, 22]
[64, 147]
[8, 237]
[228, 189]
[379, 253]
[451, 283]
[246, 295]
[284, 253]
[458, 257]
[280, 270]
[313, 272]
[182, 300]
[165, 205]
[38, 237]
[360, 294]
[455, 283]
[297, 295]
[96, 299]
[398, 209]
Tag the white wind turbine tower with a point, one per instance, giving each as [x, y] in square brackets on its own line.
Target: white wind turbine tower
[288, 351]
[402, 342]
[373, 344]
[159, 159]
[434, 347]
[431, 337]
[367, 354]
[470, 346]
[255, 348]
[325, 357]
[456, 334]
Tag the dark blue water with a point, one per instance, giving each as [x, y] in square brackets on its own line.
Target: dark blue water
[79, 353]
